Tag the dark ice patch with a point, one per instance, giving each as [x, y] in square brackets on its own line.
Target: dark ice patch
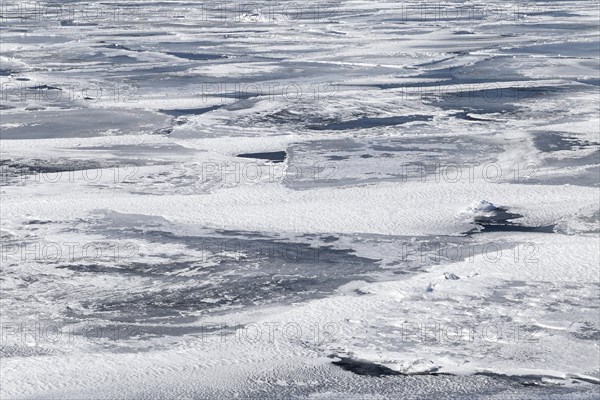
[196, 56]
[555, 141]
[43, 87]
[338, 158]
[500, 220]
[117, 46]
[189, 111]
[74, 23]
[231, 271]
[371, 122]
[275, 156]
[364, 368]
[468, 117]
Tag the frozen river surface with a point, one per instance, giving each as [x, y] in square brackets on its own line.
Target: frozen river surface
[283, 200]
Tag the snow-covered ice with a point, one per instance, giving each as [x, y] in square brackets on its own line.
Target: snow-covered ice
[323, 200]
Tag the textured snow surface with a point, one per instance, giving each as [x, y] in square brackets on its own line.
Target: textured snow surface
[274, 200]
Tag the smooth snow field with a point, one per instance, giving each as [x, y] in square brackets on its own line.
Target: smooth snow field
[300, 200]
